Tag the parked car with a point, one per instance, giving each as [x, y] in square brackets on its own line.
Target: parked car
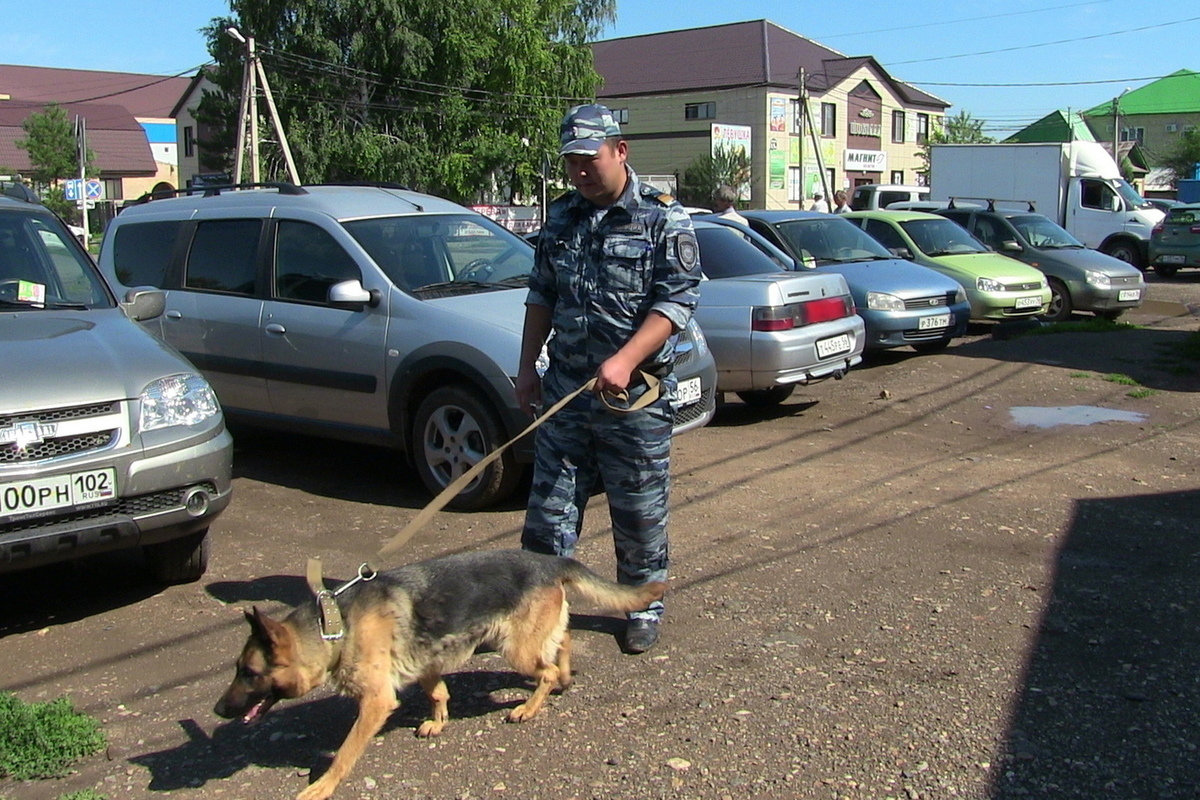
[1163, 204]
[363, 313]
[1080, 279]
[875, 196]
[901, 303]
[1175, 242]
[998, 287]
[771, 329]
[109, 439]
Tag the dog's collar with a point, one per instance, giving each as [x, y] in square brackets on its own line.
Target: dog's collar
[329, 616]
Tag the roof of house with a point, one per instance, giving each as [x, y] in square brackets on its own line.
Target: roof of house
[753, 53]
[1057, 126]
[116, 139]
[1177, 93]
[140, 95]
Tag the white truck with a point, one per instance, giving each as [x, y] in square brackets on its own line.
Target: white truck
[1076, 184]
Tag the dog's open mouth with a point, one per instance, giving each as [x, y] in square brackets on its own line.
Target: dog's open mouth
[258, 709]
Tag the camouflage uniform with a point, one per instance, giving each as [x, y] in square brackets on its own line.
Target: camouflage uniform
[601, 271]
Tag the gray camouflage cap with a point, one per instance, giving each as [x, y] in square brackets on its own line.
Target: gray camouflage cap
[585, 128]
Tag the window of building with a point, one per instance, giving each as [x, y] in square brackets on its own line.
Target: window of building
[922, 128]
[898, 176]
[620, 115]
[795, 194]
[700, 111]
[897, 126]
[1132, 134]
[828, 120]
[794, 122]
[189, 142]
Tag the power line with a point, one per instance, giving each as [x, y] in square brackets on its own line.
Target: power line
[143, 86]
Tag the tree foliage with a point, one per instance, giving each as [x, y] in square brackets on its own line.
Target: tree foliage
[54, 154]
[460, 98]
[702, 177]
[961, 128]
[1181, 159]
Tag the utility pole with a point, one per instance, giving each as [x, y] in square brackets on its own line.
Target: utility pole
[252, 74]
[801, 105]
[81, 142]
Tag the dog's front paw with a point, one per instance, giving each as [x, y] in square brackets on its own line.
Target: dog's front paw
[522, 713]
[317, 791]
[430, 728]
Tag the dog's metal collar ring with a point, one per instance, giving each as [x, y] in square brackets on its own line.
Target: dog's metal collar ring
[330, 616]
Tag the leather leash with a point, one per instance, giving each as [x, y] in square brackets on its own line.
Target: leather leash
[332, 627]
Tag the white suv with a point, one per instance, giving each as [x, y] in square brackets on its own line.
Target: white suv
[365, 313]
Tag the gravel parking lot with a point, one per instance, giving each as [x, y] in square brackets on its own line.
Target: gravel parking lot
[887, 587]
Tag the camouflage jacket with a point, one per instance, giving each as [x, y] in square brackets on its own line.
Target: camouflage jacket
[602, 270]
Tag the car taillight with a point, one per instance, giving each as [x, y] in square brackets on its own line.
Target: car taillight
[1195, 229]
[796, 315]
[1157, 229]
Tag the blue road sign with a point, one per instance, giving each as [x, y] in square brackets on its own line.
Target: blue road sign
[93, 190]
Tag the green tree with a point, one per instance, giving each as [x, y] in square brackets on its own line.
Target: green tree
[702, 177]
[1181, 160]
[460, 98]
[54, 154]
[961, 128]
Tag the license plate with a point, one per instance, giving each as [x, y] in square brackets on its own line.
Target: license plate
[1028, 302]
[937, 321]
[834, 345]
[59, 491]
[1172, 259]
[1129, 294]
[688, 391]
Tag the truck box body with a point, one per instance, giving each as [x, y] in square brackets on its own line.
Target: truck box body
[1076, 184]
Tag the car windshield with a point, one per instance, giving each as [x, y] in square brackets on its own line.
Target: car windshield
[1043, 232]
[430, 255]
[1131, 197]
[41, 266]
[941, 237]
[1183, 215]
[726, 253]
[830, 241]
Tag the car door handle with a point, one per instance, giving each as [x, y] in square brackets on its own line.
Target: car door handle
[173, 314]
[276, 329]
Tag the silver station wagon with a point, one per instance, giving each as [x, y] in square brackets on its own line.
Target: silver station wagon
[364, 313]
[109, 439]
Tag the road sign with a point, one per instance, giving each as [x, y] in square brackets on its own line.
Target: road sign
[73, 189]
[93, 190]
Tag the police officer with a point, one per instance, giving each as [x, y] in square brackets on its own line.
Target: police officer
[615, 279]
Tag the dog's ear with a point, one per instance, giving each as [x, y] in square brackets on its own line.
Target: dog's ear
[263, 626]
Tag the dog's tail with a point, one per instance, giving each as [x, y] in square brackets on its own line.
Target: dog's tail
[608, 595]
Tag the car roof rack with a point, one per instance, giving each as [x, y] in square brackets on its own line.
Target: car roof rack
[991, 202]
[375, 185]
[212, 191]
[19, 191]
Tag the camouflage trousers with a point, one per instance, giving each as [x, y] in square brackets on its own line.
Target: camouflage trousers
[585, 448]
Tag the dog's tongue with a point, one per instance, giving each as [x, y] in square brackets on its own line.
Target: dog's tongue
[257, 711]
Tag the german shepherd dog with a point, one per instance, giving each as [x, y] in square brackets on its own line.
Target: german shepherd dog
[415, 624]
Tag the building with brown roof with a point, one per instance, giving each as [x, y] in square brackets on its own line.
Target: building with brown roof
[130, 130]
[679, 93]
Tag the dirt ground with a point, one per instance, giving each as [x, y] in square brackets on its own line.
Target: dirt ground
[888, 587]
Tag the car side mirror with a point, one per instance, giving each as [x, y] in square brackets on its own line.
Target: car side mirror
[144, 302]
[351, 294]
[901, 252]
[1011, 246]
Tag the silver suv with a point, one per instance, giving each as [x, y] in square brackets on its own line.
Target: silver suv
[364, 313]
[108, 439]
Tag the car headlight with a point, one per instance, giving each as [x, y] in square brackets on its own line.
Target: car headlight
[1097, 278]
[960, 295]
[184, 399]
[989, 285]
[881, 301]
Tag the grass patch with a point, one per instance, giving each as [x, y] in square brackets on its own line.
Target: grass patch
[43, 740]
[1141, 392]
[1124, 380]
[83, 794]
[1080, 375]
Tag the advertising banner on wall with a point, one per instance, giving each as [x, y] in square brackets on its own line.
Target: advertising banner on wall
[865, 161]
[732, 138]
[778, 114]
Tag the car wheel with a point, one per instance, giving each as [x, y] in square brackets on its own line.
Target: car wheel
[931, 347]
[453, 430]
[1166, 270]
[1124, 251]
[180, 560]
[767, 397]
[1060, 307]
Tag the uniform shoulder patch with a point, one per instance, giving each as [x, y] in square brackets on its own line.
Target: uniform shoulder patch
[686, 249]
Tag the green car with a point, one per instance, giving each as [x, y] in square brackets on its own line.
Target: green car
[1175, 242]
[998, 287]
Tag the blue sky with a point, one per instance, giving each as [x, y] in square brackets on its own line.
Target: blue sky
[937, 45]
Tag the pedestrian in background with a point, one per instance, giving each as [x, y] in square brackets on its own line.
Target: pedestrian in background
[819, 204]
[723, 201]
[615, 279]
[840, 202]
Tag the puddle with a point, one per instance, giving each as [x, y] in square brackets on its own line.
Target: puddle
[1050, 416]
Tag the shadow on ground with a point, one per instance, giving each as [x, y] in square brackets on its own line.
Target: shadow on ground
[1111, 701]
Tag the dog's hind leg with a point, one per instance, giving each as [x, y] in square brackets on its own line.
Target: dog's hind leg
[535, 647]
[372, 684]
[564, 661]
[439, 701]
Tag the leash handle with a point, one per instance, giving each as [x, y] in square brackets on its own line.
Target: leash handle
[458, 484]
